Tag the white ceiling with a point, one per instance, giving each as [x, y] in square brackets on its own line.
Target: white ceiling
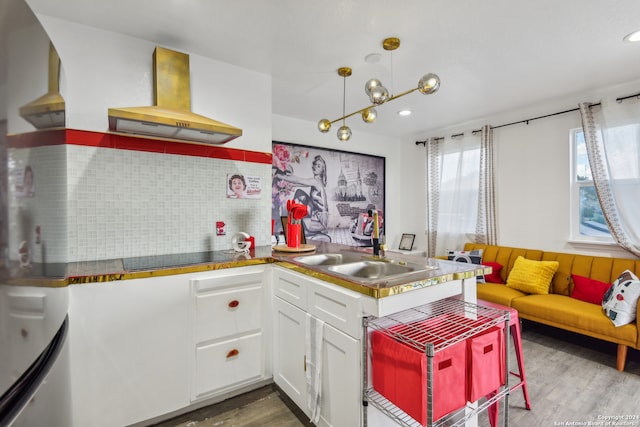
[492, 56]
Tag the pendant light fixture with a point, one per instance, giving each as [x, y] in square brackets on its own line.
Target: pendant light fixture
[344, 133]
[377, 93]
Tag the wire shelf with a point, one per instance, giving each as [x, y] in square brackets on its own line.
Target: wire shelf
[455, 419]
[429, 329]
[433, 327]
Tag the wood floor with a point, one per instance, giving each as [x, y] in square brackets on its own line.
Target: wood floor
[263, 407]
[572, 380]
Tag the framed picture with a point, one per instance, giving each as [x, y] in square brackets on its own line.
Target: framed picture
[406, 242]
[339, 188]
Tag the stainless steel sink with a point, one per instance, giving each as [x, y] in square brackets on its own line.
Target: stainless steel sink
[362, 267]
[371, 270]
[328, 259]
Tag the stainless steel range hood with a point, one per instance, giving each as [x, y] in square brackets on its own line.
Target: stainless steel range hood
[48, 111]
[171, 116]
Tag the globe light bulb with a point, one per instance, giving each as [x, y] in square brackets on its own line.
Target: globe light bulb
[370, 85]
[429, 83]
[324, 125]
[344, 133]
[379, 95]
[369, 115]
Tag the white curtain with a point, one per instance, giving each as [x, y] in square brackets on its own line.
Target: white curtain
[487, 222]
[612, 137]
[433, 146]
[460, 187]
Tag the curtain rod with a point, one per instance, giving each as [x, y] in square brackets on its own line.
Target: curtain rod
[524, 121]
[618, 100]
[622, 98]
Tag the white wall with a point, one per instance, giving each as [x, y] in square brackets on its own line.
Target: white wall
[105, 69]
[125, 203]
[533, 173]
[532, 168]
[27, 74]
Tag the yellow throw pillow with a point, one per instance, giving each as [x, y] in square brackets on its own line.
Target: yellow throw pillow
[532, 277]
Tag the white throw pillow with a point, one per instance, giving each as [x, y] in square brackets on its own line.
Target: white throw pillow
[621, 300]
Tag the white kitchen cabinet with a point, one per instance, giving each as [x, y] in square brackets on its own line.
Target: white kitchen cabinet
[341, 401]
[295, 297]
[341, 372]
[230, 343]
[143, 348]
[128, 343]
[289, 351]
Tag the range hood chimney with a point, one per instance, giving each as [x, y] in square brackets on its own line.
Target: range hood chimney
[171, 116]
[48, 111]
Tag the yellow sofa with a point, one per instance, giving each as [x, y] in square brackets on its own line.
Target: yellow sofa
[558, 309]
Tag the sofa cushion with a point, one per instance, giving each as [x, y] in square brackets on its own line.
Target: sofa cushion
[574, 315]
[532, 277]
[496, 293]
[494, 277]
[621, 300]
[504, 255]
[588, 290]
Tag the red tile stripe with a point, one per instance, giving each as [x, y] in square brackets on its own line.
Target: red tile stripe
[134, 143]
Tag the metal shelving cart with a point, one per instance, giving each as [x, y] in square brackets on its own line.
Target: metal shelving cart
[431, 329]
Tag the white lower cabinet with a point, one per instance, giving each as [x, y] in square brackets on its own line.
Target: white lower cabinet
[143, 348]
[289, 351]
[341, 401]
[128, 344]
[153, 346]
[230, 323]
[341, 379]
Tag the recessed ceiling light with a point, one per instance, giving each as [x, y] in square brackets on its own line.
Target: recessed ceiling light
[404, 112]
[633, 37]
[372, 58]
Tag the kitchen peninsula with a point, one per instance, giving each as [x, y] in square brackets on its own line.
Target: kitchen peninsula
[218, 324]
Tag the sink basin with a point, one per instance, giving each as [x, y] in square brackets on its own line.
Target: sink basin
[328, 259]
[361, 267]
[371, 270]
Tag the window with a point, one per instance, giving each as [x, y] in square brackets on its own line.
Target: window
[458, 197]
[587, 221]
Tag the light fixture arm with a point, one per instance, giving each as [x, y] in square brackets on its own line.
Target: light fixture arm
[360, 111]
[378, 94]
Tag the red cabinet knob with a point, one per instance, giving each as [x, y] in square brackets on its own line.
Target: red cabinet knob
[234, 303]
[232, 353]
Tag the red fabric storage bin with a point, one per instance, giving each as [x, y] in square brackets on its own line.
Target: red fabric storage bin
[486, 369]
[399, 373]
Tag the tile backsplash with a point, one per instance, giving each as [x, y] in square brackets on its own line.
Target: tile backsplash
[94, 203]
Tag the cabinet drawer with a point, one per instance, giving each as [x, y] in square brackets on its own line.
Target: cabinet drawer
[336, 306]
[229, 278]
[227, 363]
[291, 287]
[228, 312]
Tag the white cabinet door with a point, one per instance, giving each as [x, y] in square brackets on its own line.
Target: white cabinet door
[229, 334]
[289, 351]
[341, 398]
[128, 349]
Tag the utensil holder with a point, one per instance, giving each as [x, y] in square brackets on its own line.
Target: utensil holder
[294, 233]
